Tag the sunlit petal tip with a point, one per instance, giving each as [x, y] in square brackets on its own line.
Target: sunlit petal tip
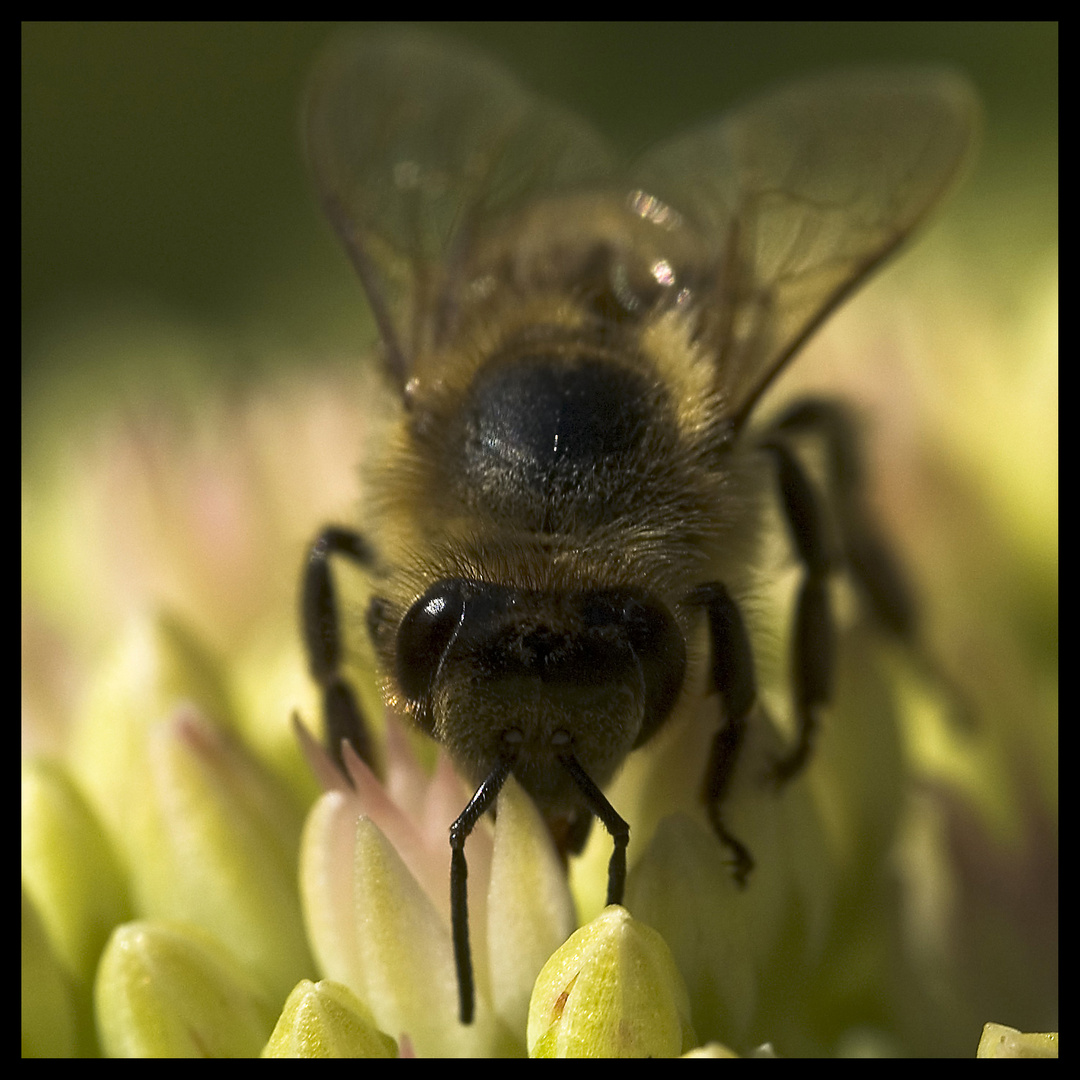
[326, 885]
[322, 765]
[405, 957]
[407, 778]
[530, 912]
[402, 938]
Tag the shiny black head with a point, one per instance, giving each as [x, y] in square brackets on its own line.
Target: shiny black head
[489, 669]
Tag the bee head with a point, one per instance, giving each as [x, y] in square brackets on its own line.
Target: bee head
[491, 670]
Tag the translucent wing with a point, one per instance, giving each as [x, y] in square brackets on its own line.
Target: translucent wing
[800, 194]
[415, 145]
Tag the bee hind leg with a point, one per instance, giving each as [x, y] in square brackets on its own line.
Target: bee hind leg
[732, 676]
[322, 636]
[867, 557]
[813, 653]
[863, 552]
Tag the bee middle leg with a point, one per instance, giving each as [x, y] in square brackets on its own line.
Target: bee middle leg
[343, 716]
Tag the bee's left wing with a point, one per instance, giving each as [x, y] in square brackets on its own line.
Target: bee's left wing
[417, 146]
[800, 194]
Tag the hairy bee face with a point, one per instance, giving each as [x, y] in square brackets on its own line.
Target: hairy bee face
[569, 503]
[527, 665]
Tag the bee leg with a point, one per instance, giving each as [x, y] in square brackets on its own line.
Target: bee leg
[619, 829]
[322, 639]
[459, 873]
[733, 678]
[867, 556]
[813, 656]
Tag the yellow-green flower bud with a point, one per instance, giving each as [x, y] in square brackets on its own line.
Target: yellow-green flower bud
[167, 990]
[48, 1007]
[611, 991]
[216, 844]
[529, 909]
[75, 892]
[69, 869]
[327, 1020]
[999, 1041]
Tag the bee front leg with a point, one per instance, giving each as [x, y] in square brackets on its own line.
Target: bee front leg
[732, 677]
[466, 821]
[344, 719]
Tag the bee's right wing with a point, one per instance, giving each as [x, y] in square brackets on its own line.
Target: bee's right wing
[800, 194]
[414, 145]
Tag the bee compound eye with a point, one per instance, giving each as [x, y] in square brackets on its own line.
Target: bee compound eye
[661, 651]
[424, 635]
[647, 625]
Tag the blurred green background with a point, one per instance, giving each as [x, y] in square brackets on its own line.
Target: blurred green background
[162, 178]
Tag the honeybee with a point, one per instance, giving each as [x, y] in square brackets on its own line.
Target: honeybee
[565, 515]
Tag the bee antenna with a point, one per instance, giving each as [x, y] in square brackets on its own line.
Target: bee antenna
[459, 873]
